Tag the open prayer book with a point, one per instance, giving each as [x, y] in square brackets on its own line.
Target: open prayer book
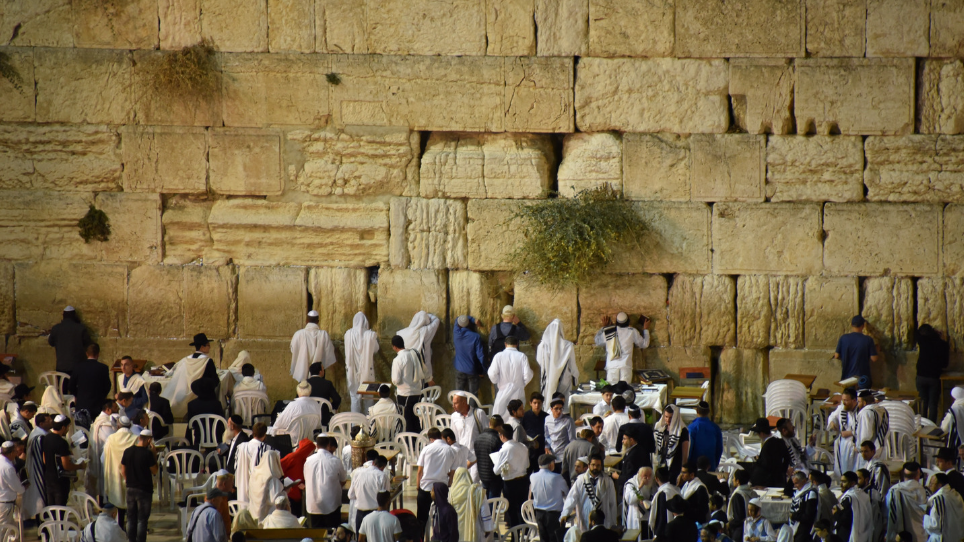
[848, 382]
[288, 482]
[78, 438]
[20, 433]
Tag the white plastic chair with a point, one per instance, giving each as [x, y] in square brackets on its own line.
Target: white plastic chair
[191, 502]
[207, 427]
[182, 476]
[54, 378]
[302, 427]
[324, 403]
[426, 413]
[521, 533]
[472, 399]
[59, 531]
[249, 404]
[902, 424]
[411, 445]
[9, 532]
[235, 506]
[385, 427]
[431, 394]
[154, 417]
[344, 421]
[60, 513]
[443, 421]
[85, 505]
[496, 507]
[529, 513]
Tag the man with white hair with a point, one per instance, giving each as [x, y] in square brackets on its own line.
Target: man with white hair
[297, 412]
[509, 371]
[281, 517]
[104, 528]
[953, 423]
[310, 345]
[619, 340]
[510, 326]
[10, 485]
[114, 448]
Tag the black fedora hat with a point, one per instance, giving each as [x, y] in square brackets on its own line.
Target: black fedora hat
[762, 425]
[200, 340]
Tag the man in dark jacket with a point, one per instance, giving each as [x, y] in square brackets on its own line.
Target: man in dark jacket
[70, 339]
[509, 326]
[322, 387]
[162, 407]
[597, 529]
[206, 402]
[774, 461]
[469, 356]
[486, 443]
[90, 383]
[634, 459]
[239, 438]
[682, 528]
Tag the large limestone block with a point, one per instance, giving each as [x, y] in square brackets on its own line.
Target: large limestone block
[263, 89]
[676, 240]
[465, 165]
[931, 303]
[817, 168]
[186, 235]
[880, 239]
[132, 24]
[673, 358]
[835, 29]
[135, 226]
[702, 310]
[341, 26]
[155, 298]
[632, 294]
[652, 95]
[947, 29]
[404, 292]
[256, 232]
[563, 27]
[897, 28]
[161, 107]
[510, 28]
[235, 25]
[18, 95]
[246, 162]
[423, 27]
[767, 238]
[83, 86]
[38, 23]
[180, 23]
[761, 91]
[273, 360]
[271, 302]
[97, 291]
[711, 28]
[740, 384]
[482, 296]
[59, 157]
[854, 96]
[165, 159]
[428, 233]
[338, 293]
[631, 28]
[34, 356]
[830, 304]
[537, 306]
[770, 311]
[730, 167]
[8, 319]
[210, 299]
[888, 307]
[923, 168]
[356, 161]
[941, 99]
[590, 161]
[656, 167]
[953, 241]
[493, 233]
[809, 362]
[954, 294]
[291, 26]
[538, 94]
[157, 351]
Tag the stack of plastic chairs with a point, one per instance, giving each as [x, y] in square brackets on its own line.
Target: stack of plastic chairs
[788, 399]
[901, 443]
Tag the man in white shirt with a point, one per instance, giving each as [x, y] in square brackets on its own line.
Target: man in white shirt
[509, 371]
[618, 341]
[603, 407]
[304, 412]
[324, 477]
[310, 345]
[10, 486]
[366, 484]
[467, 421]
[407, 375]
[548, 492]
[512, 463]
[380, 526]
[613, 422]
[436, 463]
[464, 457]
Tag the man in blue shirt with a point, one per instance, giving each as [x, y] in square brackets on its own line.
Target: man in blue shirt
[706, 439]
[548, 492]
[469, 356]
[855, 352]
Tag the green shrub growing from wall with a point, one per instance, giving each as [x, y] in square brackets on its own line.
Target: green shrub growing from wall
[94, 226]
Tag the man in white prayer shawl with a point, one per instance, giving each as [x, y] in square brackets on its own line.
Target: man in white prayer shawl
[557, 360]
[281, 517]
[906, 503]
[944, 521]
[853, 515]
[844, 420]
[871, 424]
[310, 345]
[591, 491]
[34, 499]
[509, 371]
[130, 381]
[418, 336]
[102, 428]
[953, 422]
[361, 344]
[265, 485]
[104, 528]
[114, 483]
[619, 341]
[186, 371]
[237, 368]
[303, 413]
[638, 496]
[249, 456]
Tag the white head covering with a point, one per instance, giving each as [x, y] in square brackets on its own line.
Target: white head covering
[60, 418]
[552, 355]
[957, 392]
[508, 310]
[360, 346]
[124, 421]
[260, 484]
[413, 333]
[243, 357]
[280, 500]
[621, 318]
[313, 313]
[68, 308]
[755, 502]
[675, 428]
[304, 389]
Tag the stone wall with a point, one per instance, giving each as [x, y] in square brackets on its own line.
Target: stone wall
[797, 162]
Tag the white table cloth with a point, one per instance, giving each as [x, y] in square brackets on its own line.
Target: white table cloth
[651, 397]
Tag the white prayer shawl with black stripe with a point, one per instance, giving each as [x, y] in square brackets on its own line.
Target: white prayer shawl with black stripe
[844, 448]
[879, 478]
[582, 502]
[670, 491]
[862, 527]
[248, 457]
[953, 424]
[798, 455]
[668, 436]
[944, 521]
[905, 510]
[804, 494]
[870, 426]
[745, 491]
[34, 499]
[557, 360]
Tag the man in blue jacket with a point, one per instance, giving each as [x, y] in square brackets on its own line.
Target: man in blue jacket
[469, 356]
[706, 439]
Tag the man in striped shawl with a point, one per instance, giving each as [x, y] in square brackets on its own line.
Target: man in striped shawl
[872, 424]
[944, 521]
[803, 508]
[876, 485]
[953, 423]
[853, 516]
[659, 515]
[906, 503]
[844, 420]
[35, 497]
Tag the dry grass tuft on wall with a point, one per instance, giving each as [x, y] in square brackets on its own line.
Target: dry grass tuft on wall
[10, 73]
[94, 226]
[189, 72]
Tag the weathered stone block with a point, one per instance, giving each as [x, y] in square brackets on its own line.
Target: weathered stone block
[262, 89]
[537, 306]
[830, 304]
[83, 86]
[709, 28]
[702, 310]
[341, 26]
[210, 299]
[17, 94]
[947, 29]
[767, 238]
[761, 92]
[880, 239]
[563, 27]
[818, 168]
[59, 157]
[156, 351]
[186, 235]
[954, 294]
[673, 358]
[590, 161]
[8, 318]
[538, 94]
[953, 241]
[291, 26]
[273, 360]
[836, 29]
[492, 233]
[422, 27]
[770, 311]
[631, 28]
[35, 356]
[924, 168]
[180, 23]
[482, 295]
[157, 106]
[941, 99]
[676, 240]
[271, 302]
[652, 95]
[888, 307]
[41, 23]
[897, 28]
[656, 167]
[235, 25]
[97, 291]
[155, 301]
[135, 226]
[165, 160]
[428, 233]
[337, 294]
[931, 303]
[403, 292]
[510, 28]
[729, 167]
[356, 161]
[460, 165]
[741, 382]
[811, 362]
[632, 294]
[120, 25]
[854, 96]
[246, 162]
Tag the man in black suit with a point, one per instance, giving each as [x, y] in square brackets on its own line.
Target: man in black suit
[240, 437]
[712, 483]
[774, 462]
[90, 383]
[597, 529]
[946, 461]
[161, 407]
[70, 340]
[322, 387]
[635, 458]
[207, 402]
[643, 430]
[682, 528]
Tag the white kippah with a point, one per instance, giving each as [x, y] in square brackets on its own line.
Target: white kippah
[68, 308]
[125, 421]
[755, 502]
[222, 472]
[957, 392]
[312, 313]
[461, 393]
[8, 445]
[146, 433]
[583, 459]
[280, 499]
[60, 418]
[621, 318]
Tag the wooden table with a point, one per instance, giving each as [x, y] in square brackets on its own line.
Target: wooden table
[936, 438]
[687, 392]
[294, 535]
[630, 535]
[806, 380]
[949, 377]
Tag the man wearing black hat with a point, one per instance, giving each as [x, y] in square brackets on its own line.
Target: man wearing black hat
[186, 371]
[773, 463]
[682, 528]
[634, 458]
[205, 402]
[856, 351]
[946, 459]
[90, 384]
[70, 340]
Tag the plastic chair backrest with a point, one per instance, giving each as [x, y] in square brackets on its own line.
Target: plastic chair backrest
[234, 506]
[60, 513]
[85, 505]
[411, 444]
[426, 412]
[53, 378]
[183, 462]
[9, 532]
[59, 531]
[431, 394]
[522, 533]
[529, 513]
[344, 421]
[324, 403]
[248, 404]
[497, 507]
[207, 426]
[384, 427]
[443, 421]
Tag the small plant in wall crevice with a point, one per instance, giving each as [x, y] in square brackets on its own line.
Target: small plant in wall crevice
[10, 73]
[94, 226]
[191, 72]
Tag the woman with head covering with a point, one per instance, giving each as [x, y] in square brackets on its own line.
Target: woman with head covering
[243, 520]
[265, 485]
[361, 344]
[557, 359]
[445, 523]
[418, 336]
[672, 441]
[468, 499]
[293, 466]
[953, 423]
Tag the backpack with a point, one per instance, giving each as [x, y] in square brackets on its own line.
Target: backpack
[499, 344]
